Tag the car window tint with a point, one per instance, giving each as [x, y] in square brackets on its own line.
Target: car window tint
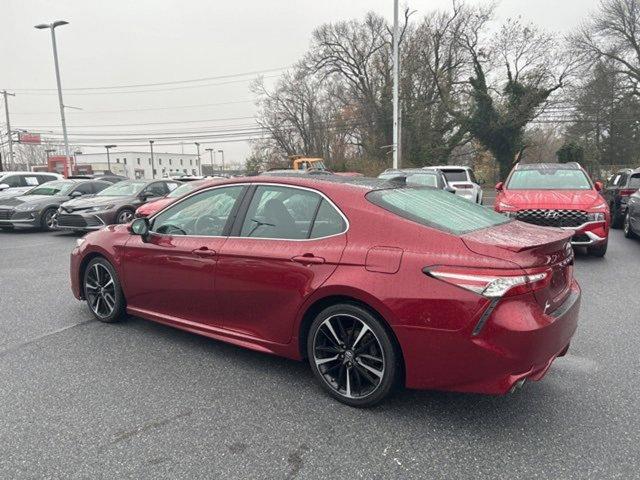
[13, 181]
[157, 189]
[280, 212]
[205, 213]
[455, 175]
[328, 221]
[84, 188]
[436, 208]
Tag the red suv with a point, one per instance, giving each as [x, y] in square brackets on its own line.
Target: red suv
[376, 284]
[557, 195]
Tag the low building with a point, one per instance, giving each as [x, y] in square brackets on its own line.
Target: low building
[139, 165]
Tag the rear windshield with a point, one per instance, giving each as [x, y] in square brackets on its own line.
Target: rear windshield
[634, 181]
[436, 208]
[424, 179]
[455, 175]
[549, 179]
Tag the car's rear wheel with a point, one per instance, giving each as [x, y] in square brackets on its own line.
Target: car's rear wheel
[48, 219]
[103, 292]
[124, 216]
[598, 250]
[616, 218]
[628, 232]
[352, 355]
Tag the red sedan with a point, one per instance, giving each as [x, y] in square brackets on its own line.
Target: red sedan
[376, 284]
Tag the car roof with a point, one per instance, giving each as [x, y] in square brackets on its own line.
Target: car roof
[19, 172]
[317, 181]
[447, 167]
[422, 171]
[548, 166]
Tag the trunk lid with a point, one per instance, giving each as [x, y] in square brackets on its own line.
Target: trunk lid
[534, 249]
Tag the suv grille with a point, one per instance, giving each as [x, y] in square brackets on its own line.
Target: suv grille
[65, 220]
[553, 218]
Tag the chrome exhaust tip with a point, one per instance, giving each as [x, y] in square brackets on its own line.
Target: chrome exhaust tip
[518, 385]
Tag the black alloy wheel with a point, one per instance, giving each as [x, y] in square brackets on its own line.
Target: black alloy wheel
[103, 292]
[352, 355]
[628, 232]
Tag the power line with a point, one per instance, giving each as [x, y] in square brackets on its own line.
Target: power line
[175, 82]
[150, 123]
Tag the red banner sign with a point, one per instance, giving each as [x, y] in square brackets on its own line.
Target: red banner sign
[25, 137]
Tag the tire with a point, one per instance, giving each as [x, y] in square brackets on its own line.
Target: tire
[628, 232]
[124, 216]
[103, 292]
[598, 250]
[616, 218]
[361, 376]
[47, 220]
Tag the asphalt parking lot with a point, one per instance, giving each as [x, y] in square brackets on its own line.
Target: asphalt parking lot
[81, 399]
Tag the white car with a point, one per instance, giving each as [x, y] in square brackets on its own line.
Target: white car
[462, 180]
[13, 184]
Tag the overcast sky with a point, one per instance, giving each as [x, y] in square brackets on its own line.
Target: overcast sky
[118, 42]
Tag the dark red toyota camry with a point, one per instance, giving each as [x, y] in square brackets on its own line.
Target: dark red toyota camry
[376, 284]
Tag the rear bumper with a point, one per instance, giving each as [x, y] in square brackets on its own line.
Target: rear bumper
[518, 342]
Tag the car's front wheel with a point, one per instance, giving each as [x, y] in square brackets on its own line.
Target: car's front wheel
[352, 355]
[48, 220]
[103, 292]
[598, 250]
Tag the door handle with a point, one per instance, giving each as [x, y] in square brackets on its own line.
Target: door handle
[204, 252]
[308, 259]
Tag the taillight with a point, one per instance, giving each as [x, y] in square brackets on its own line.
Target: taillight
[627, 192]
[491, 283]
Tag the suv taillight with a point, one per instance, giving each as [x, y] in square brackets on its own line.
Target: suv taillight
[626, 192]
[491, 283]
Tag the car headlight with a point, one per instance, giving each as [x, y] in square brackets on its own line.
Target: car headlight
[504, 206]
[595, 217]
[25, 207]
[100, 208]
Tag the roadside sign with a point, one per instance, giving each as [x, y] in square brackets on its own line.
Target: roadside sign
[26, 137]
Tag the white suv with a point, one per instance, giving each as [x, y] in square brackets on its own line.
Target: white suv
[13, 184]
[462, 180]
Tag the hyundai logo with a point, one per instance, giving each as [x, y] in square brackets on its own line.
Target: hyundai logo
[552, 215]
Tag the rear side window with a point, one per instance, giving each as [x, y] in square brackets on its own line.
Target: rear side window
[634, 182]
[436, 208]
[328, 221]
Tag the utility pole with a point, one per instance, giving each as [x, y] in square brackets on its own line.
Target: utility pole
[5, 94]
[52, 27]
[210, 150]
[221, 152]
[198, 160]
[109, 147]
[153, 168]
[396, 88]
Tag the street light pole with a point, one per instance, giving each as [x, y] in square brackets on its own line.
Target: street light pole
[396, 81]
[210, 150]
[198, 160]
[109, 147]
[6, 111]
[153, 167]
[52, 27]
[221, 152]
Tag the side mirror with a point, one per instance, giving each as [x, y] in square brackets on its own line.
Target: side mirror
[140, 226]
[598, 186]
[76, 194]
[3, 186]
[499, 186]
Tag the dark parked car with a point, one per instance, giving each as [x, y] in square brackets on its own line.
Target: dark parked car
[632, 216]
[115, 204]
[373, 282]
[617, 192]
[38, 206]
[110, 178]
[418, 177]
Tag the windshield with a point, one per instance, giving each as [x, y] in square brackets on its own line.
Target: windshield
[549, 179]
[183, 190]
[436, 208]
[52, 188]
[122, 189]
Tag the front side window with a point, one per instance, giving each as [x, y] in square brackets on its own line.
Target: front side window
[157, 189]
[436, 208]
[549, 179]
[85, 188]
[204, 214]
